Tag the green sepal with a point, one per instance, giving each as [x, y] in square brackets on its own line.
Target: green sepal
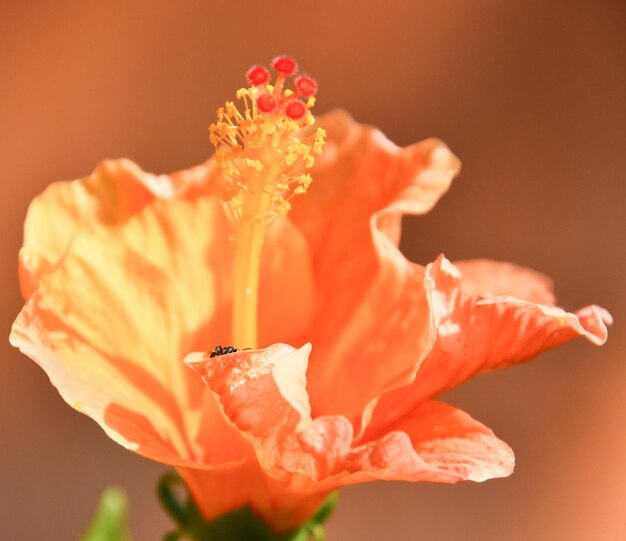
[239, 525]
[109, 524]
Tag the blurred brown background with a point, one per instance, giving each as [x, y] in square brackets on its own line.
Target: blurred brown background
[529, 94]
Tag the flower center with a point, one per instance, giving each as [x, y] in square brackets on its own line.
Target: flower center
[264, 155]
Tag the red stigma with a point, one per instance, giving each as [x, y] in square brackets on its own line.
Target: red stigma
[266, 103]
[258, 75]
[285, 64]
[306, 85]
[295, 109]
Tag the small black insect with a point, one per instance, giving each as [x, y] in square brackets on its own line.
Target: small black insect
[222, 350]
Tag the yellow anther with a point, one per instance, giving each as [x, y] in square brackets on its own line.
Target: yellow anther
[259, 152]
[255, 165]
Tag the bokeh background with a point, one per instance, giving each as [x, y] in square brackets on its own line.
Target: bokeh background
[529, 94]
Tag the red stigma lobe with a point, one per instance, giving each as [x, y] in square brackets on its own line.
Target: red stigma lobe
[285, 64]
[306, 85]
[295, 109]
[258, 75]
[266, 103]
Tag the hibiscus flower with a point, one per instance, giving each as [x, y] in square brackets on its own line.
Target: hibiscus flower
[127, 274]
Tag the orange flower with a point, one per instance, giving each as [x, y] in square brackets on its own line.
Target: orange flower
[126, 273]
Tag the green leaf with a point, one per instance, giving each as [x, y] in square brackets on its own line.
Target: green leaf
[239, 525]
[109, 523]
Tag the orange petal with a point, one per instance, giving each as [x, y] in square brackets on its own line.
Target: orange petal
[370, 301]
[262, 391]
[437, 442]
[264, 394]
[502, 279]
[453, 445]
[111, 196]
[482, 332]
[110, 329]
[128, 277]
[286, 295]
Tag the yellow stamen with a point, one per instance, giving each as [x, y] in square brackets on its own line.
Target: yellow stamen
[264, 157]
